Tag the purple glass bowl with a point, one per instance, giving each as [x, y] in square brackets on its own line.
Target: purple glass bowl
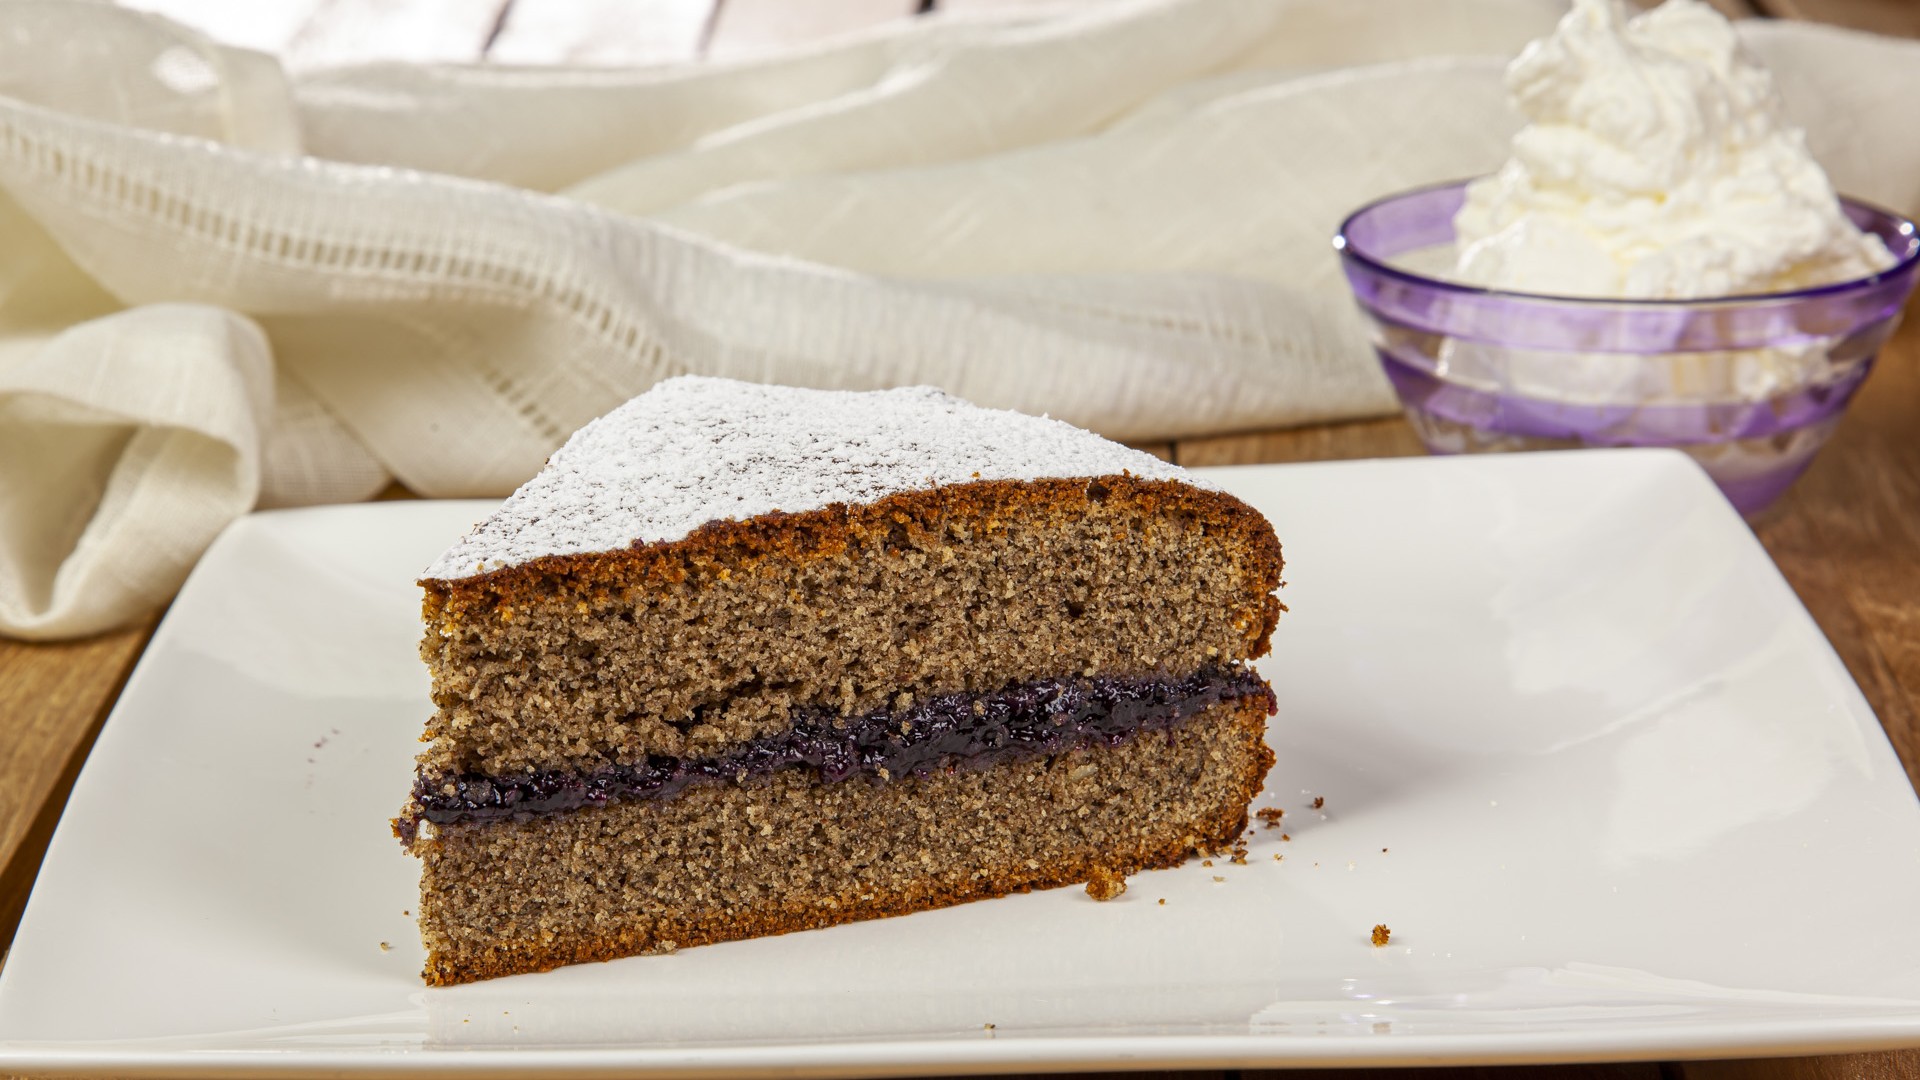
[1750, 386]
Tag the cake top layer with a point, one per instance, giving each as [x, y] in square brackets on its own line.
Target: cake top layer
[694, 450]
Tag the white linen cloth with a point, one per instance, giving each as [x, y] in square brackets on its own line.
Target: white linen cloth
[222, 288]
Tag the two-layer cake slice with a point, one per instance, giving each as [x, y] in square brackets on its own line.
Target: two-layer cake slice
[747, 659]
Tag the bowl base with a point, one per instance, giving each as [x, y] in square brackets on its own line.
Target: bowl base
[1753, 452]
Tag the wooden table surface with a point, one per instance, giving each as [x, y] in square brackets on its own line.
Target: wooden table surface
[1847, 536]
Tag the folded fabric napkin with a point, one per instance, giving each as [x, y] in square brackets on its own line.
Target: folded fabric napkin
[223, 288]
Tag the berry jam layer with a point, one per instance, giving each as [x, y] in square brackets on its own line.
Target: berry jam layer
[964, 730]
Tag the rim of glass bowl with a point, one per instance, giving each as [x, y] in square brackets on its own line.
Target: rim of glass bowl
[1902, 225]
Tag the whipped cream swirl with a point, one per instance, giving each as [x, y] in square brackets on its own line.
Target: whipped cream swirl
[1657, 163]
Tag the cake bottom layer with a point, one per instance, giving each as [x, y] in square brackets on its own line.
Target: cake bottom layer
[724, 862]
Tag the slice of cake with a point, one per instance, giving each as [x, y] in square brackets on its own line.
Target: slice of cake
[747, 659]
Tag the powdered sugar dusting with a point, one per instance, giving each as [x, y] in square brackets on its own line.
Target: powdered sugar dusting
[694, 450]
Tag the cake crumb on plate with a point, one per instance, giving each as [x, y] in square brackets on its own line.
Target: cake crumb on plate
[1106, 884]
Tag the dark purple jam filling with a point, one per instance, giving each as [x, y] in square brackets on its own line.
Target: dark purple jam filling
[964, 730]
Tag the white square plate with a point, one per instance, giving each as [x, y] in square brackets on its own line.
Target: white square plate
[1581, 748]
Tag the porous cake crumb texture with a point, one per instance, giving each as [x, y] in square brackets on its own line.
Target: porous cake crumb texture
[689, 649]
[724, 862]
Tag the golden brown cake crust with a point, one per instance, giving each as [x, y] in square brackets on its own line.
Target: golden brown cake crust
[727, 546]
[1143, 805]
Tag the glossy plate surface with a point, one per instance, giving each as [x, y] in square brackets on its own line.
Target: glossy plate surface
[1580, 746]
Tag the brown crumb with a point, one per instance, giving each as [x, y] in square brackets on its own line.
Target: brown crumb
[1206, 862]
[1319, 802]
[1270, 815]
[384, 947]
[1383, 851]
[1285, 836]
[1163, 901]
[1279, 858]
[1381, 935]
[985, 1027]
[1217, 877]
[1105, 884]
[1239, 855]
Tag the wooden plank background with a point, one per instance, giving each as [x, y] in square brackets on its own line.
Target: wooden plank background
[1845, 537]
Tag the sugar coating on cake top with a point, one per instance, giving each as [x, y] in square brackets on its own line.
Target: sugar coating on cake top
[694, 450]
